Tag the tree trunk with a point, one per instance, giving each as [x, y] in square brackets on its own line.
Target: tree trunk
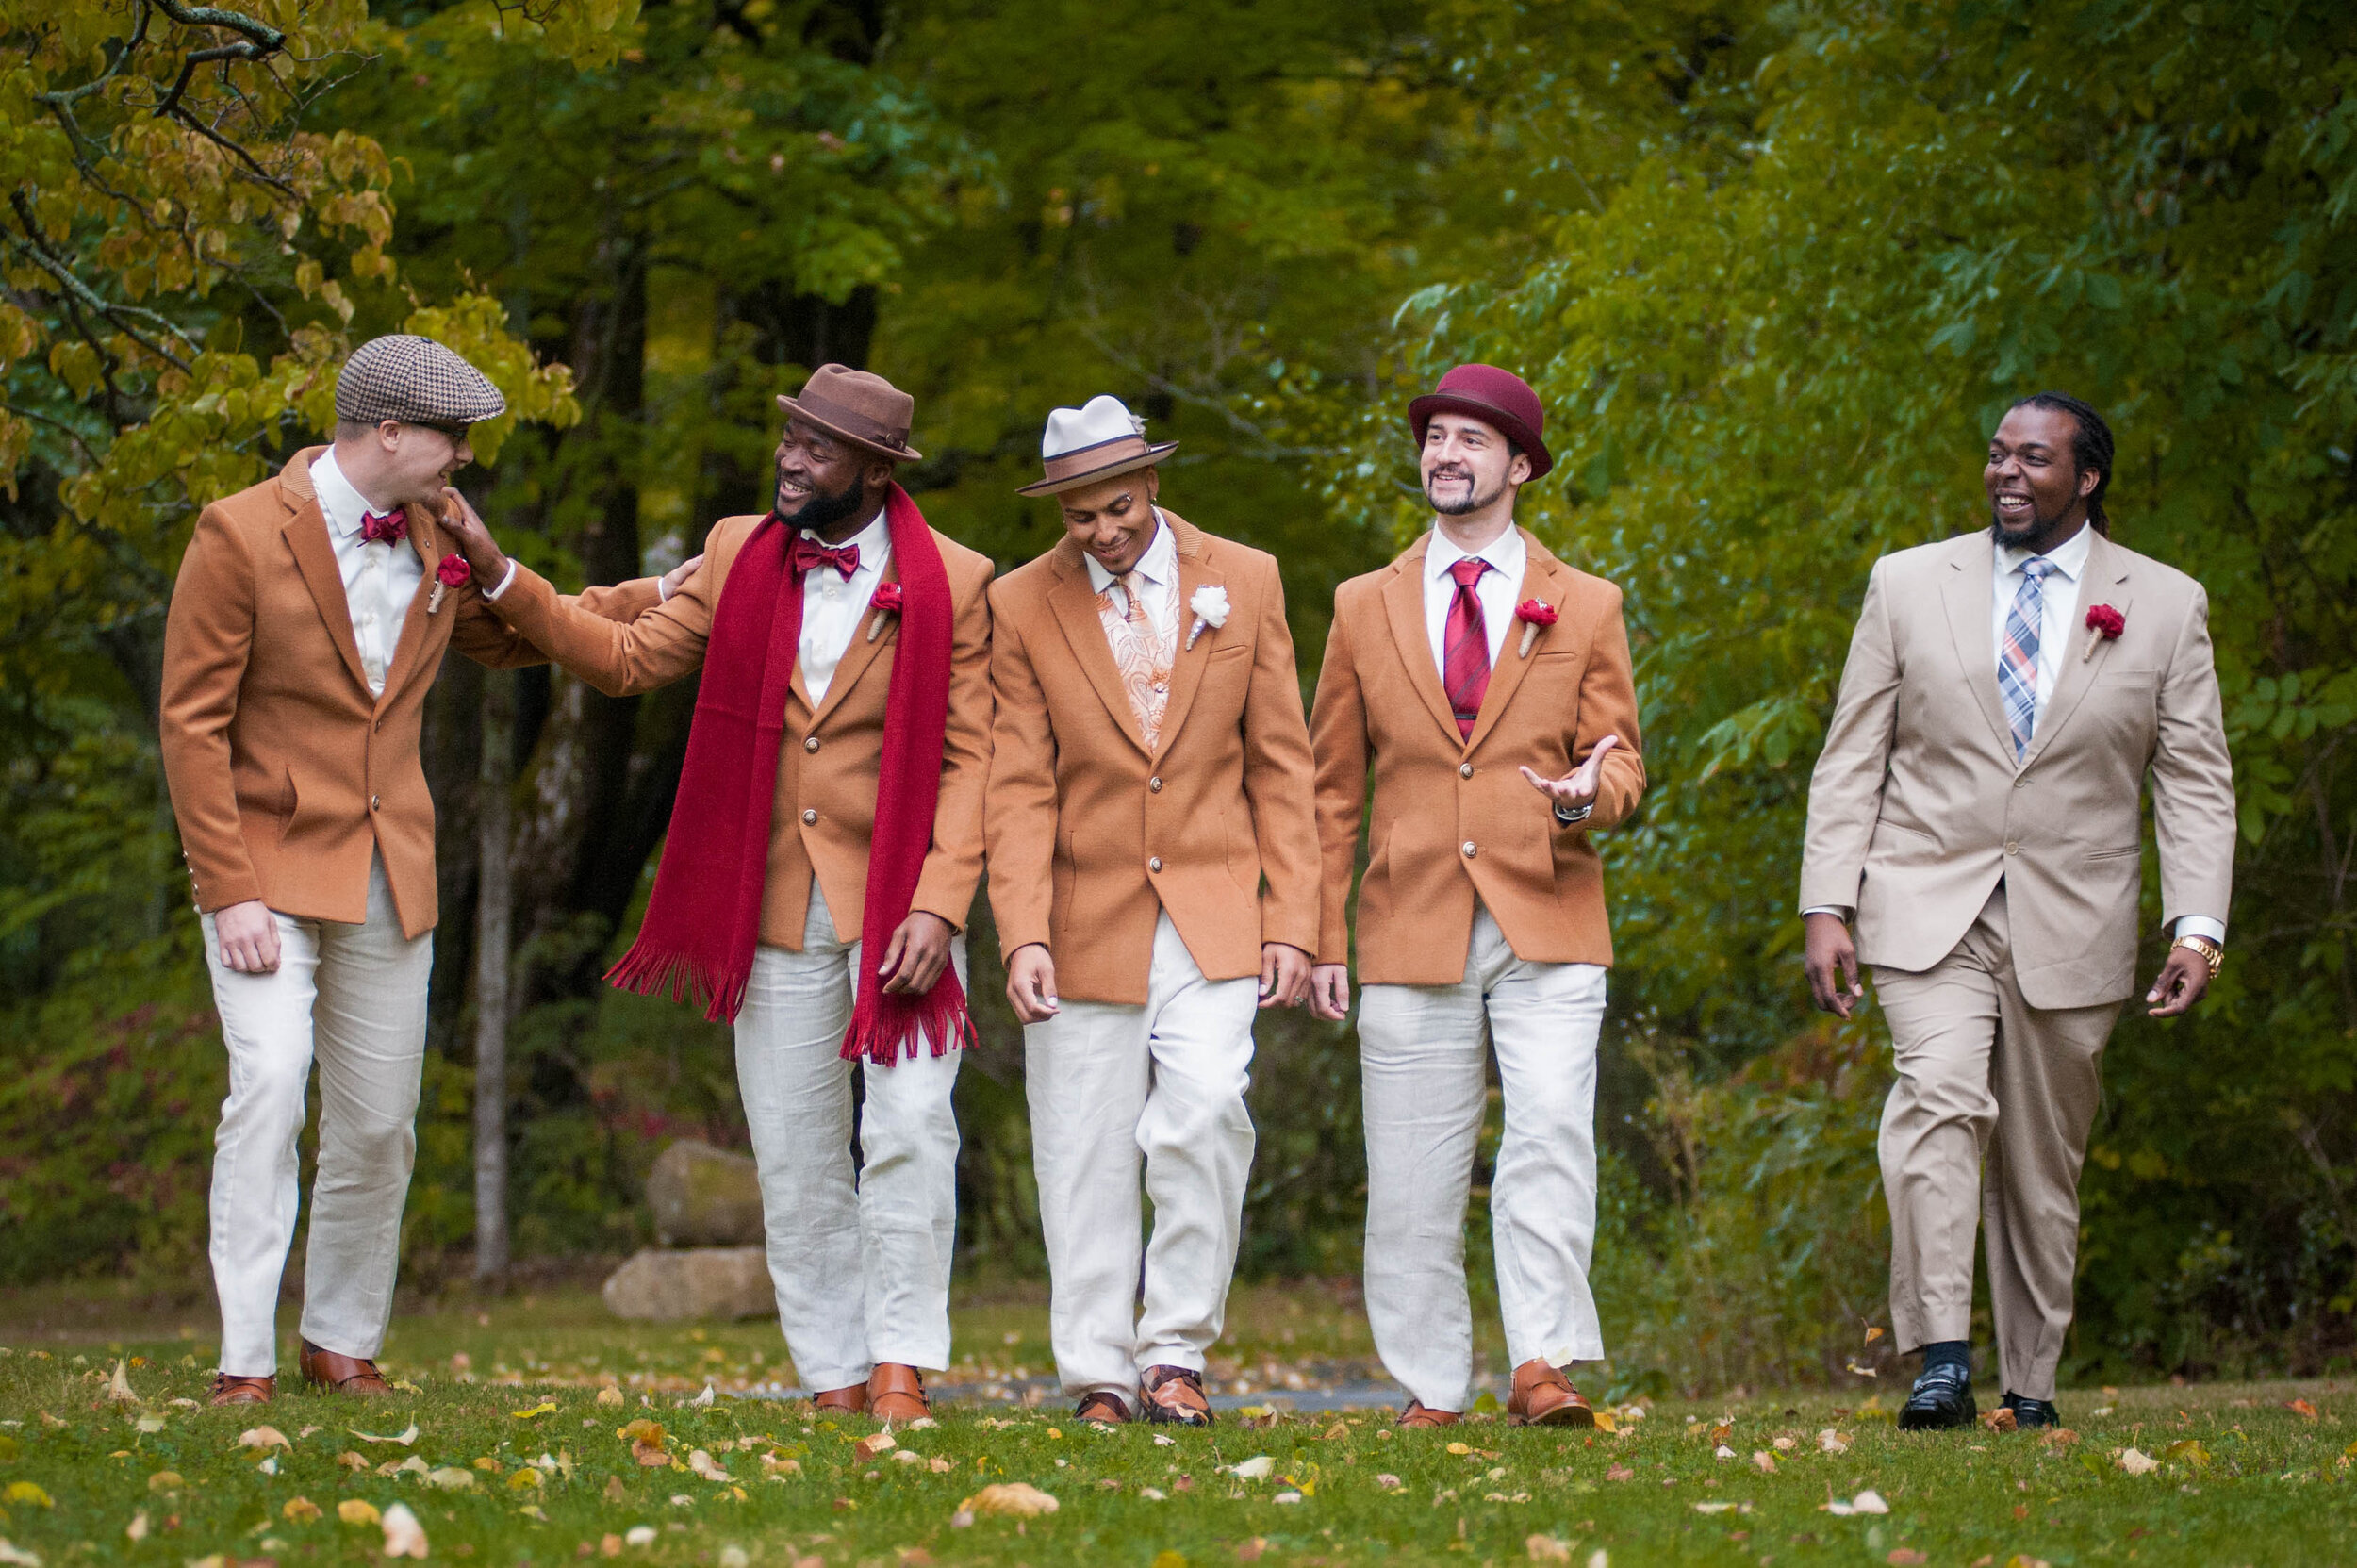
[493, 899]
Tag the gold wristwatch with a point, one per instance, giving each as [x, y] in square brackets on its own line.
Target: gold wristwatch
[2211, 954]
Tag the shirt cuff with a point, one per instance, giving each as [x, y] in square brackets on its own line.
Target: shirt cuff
[1826, 909]
[663, 589]
[506, 578]
[2201, 925]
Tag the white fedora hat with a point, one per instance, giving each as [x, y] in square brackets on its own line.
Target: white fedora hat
[1096, 441]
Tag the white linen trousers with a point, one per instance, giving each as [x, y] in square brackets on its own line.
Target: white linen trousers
[354, 997]
[859, 1254]
[1110, 1084]
[1421, 1055]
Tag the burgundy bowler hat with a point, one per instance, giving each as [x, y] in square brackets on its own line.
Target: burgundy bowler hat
[1496, 397]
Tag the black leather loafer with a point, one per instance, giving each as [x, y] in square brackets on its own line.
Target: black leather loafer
[2031, 1413]
[1942, 1398]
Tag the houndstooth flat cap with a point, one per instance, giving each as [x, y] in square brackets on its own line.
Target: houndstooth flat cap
[414, 380]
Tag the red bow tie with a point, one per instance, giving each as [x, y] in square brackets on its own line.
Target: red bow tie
[809, 555]
[392, 527]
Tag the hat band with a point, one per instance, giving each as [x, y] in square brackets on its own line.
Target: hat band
[860, 427]
[1087, 459]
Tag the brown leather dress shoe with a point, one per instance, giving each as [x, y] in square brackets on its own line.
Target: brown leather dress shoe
[1174, 1394]
[1544, 1398]
[1103, 1410]
[842, 1401]
[331, 1373]
[1418, 1413]
[897, 1393]
[228, 1390]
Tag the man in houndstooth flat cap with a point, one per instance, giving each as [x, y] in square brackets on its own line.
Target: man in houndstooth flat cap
[311, 614]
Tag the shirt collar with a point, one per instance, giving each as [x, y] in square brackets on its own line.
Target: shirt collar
[873, 541]
[339, 504]
[1158, 565]
[2070, 557]
[1506, 552]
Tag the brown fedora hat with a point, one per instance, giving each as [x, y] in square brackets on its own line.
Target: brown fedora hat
[863, 408]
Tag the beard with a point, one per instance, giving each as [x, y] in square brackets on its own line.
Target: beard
[823, 510]
[2038, 524]
[1472, 502]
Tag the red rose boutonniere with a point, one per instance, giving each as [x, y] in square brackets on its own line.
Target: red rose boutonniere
[449, 574]
[886, 601]
[2104, 624]
[1533, 614]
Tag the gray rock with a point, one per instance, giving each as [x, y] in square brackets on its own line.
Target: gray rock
[704, 1197]
[702, 1281]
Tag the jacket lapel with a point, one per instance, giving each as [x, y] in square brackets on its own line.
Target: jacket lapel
[1186, 674]
[857, 655]
[417, 629]
[2104, 581]
[305, 532]
[1403, 604]
[1965, 590]
[1542, 579]
[1075, 603]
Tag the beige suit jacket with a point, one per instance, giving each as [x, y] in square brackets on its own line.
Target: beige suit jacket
[1918, 808]
[1454, 819]
[285, 772]
[824, 811]
[1091, 836]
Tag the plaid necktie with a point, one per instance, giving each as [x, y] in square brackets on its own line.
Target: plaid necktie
[2017, 662]
[1465, 670]
[391, 527]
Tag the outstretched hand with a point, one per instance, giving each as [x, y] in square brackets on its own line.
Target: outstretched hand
[1578, 787]
[474, 541]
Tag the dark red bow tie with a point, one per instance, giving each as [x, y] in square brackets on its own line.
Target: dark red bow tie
[392, 527]
[809, 555]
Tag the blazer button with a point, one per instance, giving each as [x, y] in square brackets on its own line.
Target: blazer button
[1464, 770]
[1470, 849]
[809, 816]
[1155, 864]
[1154, 785]
[2012, 848]
[810, 744]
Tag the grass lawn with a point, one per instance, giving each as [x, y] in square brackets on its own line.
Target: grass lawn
[519, 1457]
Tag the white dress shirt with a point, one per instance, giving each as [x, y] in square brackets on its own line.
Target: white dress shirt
[2058, 603]
[1159, 567]
[1495, 591]
[834, 607]
[380, 578]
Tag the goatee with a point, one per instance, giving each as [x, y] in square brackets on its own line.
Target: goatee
[1472, 502]
[823, 511]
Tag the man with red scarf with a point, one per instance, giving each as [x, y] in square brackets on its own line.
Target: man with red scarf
[822, 857]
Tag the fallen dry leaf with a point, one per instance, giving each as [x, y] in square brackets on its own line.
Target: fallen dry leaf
[611, 1395]
[301, 1510]
[2137, 1461]
[2000, 1420]
[1546, 1548]
[1605, 1423]
[938, 1465]
[119, 1387]
[350, 1460]
[1389, 1482]
[1259, 1465]
[1766, 1461]
[404, 1535]
[2301, 1408]
[1872, 1334]
[703, 1464]
[263, 1437]
[165, 1481]
[404, 1439]
[1833, 1442]
[868, 1447]
[137, 1529]
[1618, 1473]
[546, 1407]
[1785, 1444]
[1906, 1557]
[450, 1478]
[1015, 1499]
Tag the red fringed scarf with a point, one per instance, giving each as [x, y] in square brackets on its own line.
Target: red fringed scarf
[704, 915]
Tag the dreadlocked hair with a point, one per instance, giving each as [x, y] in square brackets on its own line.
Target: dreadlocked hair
[2090, 447]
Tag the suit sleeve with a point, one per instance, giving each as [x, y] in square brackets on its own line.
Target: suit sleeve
[1019, 808]
[1338, 741]
[1279, 780]
[1845, 792]
[484, 637]
[1607, 706]
[209, 634]
[2193, 779]
[954, 864]
[621, 658]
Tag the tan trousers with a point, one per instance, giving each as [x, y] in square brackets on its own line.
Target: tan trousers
[1996, 1098]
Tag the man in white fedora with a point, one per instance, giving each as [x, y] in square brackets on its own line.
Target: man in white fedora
[1154, 871]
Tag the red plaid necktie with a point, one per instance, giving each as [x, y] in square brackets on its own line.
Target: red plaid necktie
[392, 527]
[1465, 670]
[809, 555]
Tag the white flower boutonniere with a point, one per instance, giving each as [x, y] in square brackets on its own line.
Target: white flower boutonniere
[1209, 604]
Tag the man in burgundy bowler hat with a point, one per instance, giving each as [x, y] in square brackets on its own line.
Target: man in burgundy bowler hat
[1486, 688]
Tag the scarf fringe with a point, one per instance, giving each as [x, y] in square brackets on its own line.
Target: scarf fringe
[940, 1015]
[678, 976]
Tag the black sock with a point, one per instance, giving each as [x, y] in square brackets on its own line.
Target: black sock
[1949, 1352]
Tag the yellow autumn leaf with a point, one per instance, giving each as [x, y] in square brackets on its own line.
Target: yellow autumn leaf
[302, 1511]
[546, 1407]
[359, 1511]
[28, 1494]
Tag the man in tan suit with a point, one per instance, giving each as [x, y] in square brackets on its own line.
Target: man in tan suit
[1149, 773]
[860, 1257]
[309, 621]
[1978, 809]
[1486, 687]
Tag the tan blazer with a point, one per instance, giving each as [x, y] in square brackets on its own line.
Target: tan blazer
[1454, 819]
[283, 772]
[1091, 837]
[825, 807]
[1918, 807]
